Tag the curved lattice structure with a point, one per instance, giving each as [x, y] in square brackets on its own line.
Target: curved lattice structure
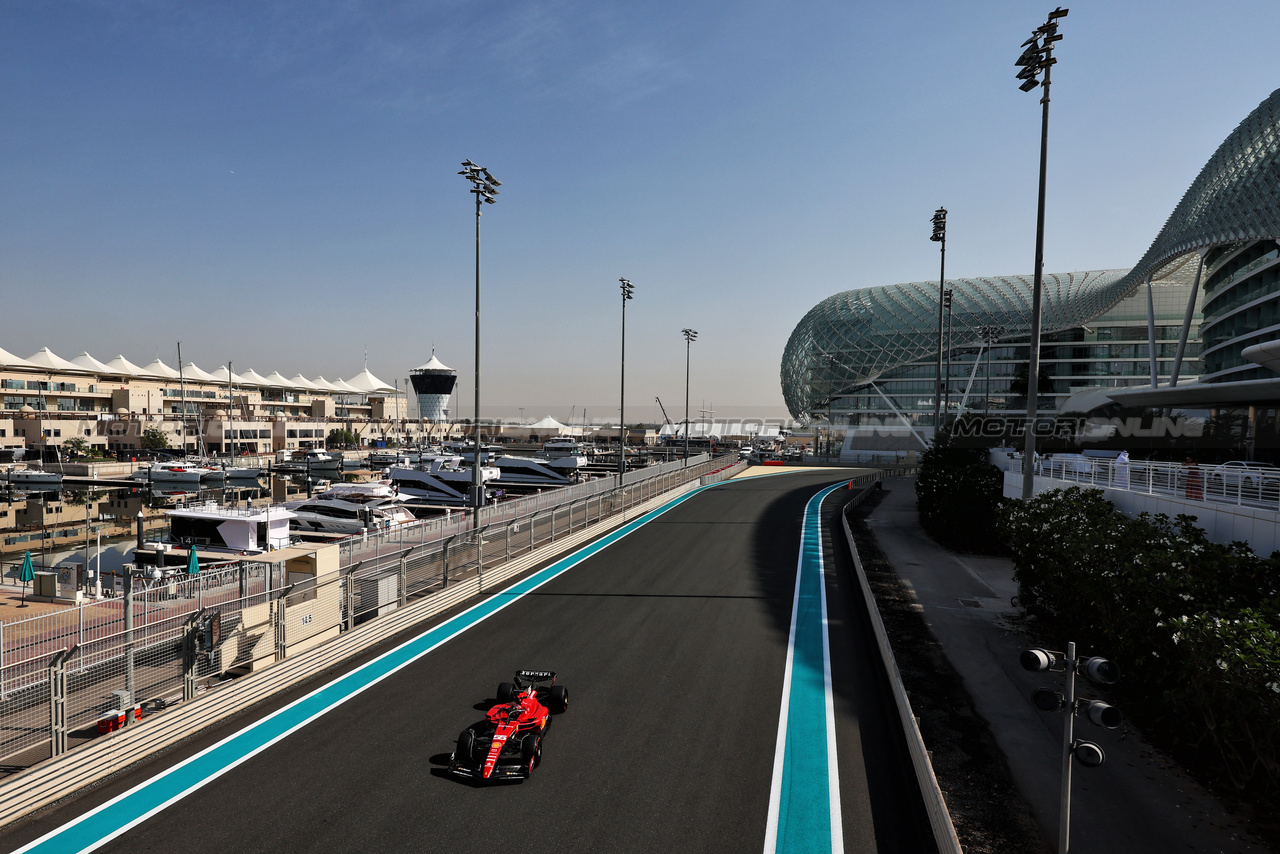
[852, 338]
[1236, 196]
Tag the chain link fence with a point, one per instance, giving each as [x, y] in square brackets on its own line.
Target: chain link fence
[69, 675]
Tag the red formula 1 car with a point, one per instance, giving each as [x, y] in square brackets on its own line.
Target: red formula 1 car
[507, 744]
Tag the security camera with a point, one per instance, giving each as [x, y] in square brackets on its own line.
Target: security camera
[1102, 714]
[1038, 659]
[1099, 671]
[1088, 754]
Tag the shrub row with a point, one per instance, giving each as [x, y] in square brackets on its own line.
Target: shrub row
[957, 493]
[1194, 624]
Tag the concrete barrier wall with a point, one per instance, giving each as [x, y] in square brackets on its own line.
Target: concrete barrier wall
[944, 832]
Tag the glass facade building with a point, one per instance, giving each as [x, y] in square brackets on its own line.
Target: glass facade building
[869, 355]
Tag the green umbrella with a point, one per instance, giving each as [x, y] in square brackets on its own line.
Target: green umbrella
[25, 575]
[193, 565]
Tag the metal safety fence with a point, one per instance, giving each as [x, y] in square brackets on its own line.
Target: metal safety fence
[69, 675]
[1242, 484]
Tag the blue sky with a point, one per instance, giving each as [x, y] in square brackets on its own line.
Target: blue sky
[275, 183]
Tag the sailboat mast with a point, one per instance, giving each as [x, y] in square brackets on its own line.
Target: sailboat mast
[182, 384]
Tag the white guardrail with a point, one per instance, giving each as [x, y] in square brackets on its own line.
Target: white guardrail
[1246, 484]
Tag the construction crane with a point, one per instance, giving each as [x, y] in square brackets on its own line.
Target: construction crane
[664, 412]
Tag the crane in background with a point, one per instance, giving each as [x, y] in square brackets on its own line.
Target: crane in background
[664, 412]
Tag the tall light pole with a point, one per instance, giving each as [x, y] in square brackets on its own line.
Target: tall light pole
[990, 335]
[690, 335]
[485, 187]
[946, 382]
[939, 236]
[627, 288]
[1037, 57]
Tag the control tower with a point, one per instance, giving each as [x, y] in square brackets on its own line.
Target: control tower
[433, 383]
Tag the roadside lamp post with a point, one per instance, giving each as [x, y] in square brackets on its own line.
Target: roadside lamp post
[1099, 671]
[939, 236]
[1037, 57]
[947, 295]
[690, 335]
[627, 288]
[485, 187]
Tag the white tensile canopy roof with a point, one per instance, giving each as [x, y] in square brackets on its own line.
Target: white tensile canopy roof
[252, 377]
[299, 381]
[324, 385]
[8, 360]
[191, 372]
[122, 366]
[88, 363]
[220, 375]
[547, 423]
[275, 380]
[365, 383]
[344, 386]
[50, 360]
[160, 369]
[434, 365]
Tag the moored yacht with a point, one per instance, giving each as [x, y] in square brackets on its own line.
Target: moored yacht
[342, 510]
[436, 484]
[178, 471]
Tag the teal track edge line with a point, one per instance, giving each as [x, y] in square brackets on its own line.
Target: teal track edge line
[105, 822]
[807, 796]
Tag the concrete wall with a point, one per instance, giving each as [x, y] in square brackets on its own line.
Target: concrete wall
[1221, 522]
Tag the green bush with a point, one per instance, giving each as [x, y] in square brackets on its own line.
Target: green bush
[957, 493]
[1193, 623]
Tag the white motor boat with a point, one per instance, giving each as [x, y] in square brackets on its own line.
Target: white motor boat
[310, 460]
[27, 478]
[563, 446]
[535, 471]
[335, 516]
[175, 471]
[436, 484]
[245, 530]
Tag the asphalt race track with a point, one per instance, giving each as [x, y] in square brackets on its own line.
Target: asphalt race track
[673, 644]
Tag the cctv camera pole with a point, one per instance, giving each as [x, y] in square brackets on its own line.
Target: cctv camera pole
[1068, 737]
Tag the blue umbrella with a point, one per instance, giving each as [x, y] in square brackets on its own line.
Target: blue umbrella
[26, 575]
[193, 565]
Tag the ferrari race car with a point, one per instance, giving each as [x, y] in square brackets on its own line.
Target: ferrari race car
[507, 744]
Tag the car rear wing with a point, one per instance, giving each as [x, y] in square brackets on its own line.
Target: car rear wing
[535, 677]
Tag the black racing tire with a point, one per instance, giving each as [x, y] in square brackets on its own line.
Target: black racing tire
[466, 748]
[559, 698]
[531, 748]
[506, 692]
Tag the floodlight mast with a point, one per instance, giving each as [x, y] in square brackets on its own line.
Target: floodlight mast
[939, 236]
[1037, 57]
[627, 289]
[485, 187]
[690, 335]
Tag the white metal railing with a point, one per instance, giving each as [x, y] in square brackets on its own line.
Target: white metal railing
[1245, 485]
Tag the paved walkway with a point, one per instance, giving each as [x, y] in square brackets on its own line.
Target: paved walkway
[1137, 802]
